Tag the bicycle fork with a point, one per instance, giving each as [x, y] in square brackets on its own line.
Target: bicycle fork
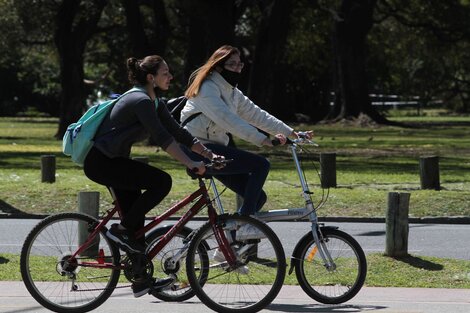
[320, 244]
[315, 229]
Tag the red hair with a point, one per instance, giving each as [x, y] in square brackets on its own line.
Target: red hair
[198, 76]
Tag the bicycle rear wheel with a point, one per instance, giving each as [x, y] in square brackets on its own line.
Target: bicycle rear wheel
[253, 282]
[58, 281]
[336, 285]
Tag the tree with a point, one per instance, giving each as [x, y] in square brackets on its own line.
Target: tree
[75, 23]
[353, 20]
[428, 48]
[142, 44]
[268, 81]
[211, 25]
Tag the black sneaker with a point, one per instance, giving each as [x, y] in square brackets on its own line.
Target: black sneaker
[141, 288]
[124, 240]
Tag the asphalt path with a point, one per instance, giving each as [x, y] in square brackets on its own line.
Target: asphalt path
[15, 299]
[440, 240]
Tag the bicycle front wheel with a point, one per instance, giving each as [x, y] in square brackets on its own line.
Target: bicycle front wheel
[331, 285]
[167, 263]
[253, 282]
[57, 280]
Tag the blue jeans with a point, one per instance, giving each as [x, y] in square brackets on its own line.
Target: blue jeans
[245, 175]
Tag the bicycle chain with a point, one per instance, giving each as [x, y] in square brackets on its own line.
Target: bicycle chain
[98, 289]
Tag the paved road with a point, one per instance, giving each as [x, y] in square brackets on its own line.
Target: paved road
[424, 239]
[441, 240]
[15, 299]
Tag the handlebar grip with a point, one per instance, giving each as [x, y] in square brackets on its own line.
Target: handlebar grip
[277, 142]
[192, 172]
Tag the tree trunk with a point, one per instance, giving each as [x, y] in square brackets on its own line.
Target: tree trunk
[162, 27]
[138, 39]
[211, 25]
[353, 22]
[141, 44]
[73, 30]
[267, 84]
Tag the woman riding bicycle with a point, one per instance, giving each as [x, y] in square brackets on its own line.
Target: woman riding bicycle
[139, 187]
[222, 108]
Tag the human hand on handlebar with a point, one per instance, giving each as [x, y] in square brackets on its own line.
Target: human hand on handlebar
[197, 167]
[279, 139]
[218, 162]
[303, 134]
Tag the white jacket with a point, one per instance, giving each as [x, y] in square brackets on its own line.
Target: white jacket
[227, 110]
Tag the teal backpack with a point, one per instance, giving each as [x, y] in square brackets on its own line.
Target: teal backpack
[78, 139]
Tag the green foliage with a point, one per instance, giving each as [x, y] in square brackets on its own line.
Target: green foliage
[416, 48]
[421, 48]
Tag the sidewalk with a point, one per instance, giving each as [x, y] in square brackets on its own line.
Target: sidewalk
[14, 298]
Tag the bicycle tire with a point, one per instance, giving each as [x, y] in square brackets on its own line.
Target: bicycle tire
[181, 289]
[256, 280]
[331, 286]
[48, 277]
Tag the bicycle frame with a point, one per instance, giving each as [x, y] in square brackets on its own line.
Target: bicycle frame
[193, 210]
[296, 213]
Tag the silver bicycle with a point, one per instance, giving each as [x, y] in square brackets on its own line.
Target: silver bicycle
[330, 265]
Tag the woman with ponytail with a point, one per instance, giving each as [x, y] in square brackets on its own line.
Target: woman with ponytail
[139, 187]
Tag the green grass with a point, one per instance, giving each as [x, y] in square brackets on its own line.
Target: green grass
[410, 271]
[371, 162]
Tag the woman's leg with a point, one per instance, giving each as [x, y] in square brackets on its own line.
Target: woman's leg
[128, 178]
[238, 183]
[245, 175]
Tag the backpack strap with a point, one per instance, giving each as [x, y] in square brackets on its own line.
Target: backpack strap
[178, 107]
[190, 118]
[133, 89]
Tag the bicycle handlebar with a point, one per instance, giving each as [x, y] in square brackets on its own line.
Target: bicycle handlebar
[301, 140]
[216, 163]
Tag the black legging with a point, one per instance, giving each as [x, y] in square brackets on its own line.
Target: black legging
[128, 178]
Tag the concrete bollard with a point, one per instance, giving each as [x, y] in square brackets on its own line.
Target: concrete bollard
[88, 203]
[328, 170]
[48, 168]
[397, 228]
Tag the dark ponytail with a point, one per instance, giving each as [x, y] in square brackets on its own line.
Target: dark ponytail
[137, 70]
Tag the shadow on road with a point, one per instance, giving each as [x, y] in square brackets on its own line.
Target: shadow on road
[323, 308]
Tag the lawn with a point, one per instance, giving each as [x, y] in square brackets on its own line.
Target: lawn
[371, 162]
[409, 271]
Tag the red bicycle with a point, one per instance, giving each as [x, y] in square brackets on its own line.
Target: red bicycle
[69, 265]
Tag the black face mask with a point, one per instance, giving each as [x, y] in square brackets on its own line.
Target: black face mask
[231, 77]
